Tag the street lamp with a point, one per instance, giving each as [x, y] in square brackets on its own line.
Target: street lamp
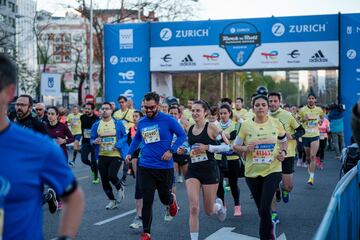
[91, 84]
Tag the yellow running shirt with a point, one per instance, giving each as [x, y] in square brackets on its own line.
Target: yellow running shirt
[290, 124]
[107, 133]
[126, 116]
[240, 113]
[310, 118]
[74, 123]
[227, 129]
[262, 161]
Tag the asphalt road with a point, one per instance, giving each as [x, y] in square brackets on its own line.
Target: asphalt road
[299, 218]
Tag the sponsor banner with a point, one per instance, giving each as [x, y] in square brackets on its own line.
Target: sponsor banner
[245, 32]
[50, 85]
[126, 61]
[297, 55]
[350, 66]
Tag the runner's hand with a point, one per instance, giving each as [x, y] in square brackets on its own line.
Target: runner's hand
[97, 141]
[166, 156]
[128, 159]
[281, 156]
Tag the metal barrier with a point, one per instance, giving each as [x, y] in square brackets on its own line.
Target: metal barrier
[342, 217]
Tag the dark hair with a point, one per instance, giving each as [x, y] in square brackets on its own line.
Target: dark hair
[122, 97]
[91, 105]
[175, 107]
[152, 96]
[107, 103]
[214, 110]
[240, 98]
[275, 94]
[260, 96]
[191, 99]
[139, 112]
[204, 104]
[227, 107]
[226, 100]
[31, 101]
[54, 108]
[8, 71]
[312, 94]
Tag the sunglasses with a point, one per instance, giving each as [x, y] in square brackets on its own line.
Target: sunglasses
[150, 107]
[51, 113]
[39, 109]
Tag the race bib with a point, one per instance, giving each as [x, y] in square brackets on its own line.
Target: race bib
[107, 144]
[151, 134]
[195, 158]
[87, 133]
[263, 153]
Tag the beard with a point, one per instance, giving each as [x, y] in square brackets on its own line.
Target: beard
[153, 114]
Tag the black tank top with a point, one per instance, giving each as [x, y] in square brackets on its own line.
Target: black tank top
[203, 138]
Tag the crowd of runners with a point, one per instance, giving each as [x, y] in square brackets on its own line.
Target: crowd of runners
[165, 143]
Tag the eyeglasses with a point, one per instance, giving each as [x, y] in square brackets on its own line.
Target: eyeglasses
[87, 108]
[39, 109]
[51, 113]
[21, 104]
[104, 109]
[150, 107]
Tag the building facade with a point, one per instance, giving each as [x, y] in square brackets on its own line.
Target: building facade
[8, 12]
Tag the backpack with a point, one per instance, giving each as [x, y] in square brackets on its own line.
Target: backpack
[351, 157]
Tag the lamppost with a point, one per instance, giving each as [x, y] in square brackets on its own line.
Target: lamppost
[91, 83]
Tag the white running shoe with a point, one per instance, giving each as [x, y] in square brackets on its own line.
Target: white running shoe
[111, 205]
[121, 194]
[137, 223]
[167, 217]
[221, 214]
[180, 179]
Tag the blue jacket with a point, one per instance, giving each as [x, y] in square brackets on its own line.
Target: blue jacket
[121, 137]
[163, 127]
[336, 118]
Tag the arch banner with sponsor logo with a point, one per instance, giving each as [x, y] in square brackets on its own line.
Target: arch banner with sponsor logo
[261, 43]
[126, 61]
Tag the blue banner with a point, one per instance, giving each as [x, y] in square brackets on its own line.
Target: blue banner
[349, 66]
[126, 61]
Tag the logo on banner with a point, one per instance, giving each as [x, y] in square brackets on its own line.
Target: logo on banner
[114, 60]
[127, 77]
[349, 30]
[212, 57]
[351, 54]
[318, 57]
[51, 82]
[239, 41]
[307, 28]
[187, 61]
[294, 56]
[128, 93]
[166, 59]
[278, 29]
[271, 57]
[165, 34]
[131, 59]
[126, 38]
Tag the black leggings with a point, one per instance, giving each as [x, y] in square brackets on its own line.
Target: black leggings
[151, 180]
[321, 150]
[232, 175]
[109, 168]
[87, 148]
[263, 190]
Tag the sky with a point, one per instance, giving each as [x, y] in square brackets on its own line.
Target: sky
[232, 9]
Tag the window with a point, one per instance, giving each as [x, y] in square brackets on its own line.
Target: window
[67, 58]
[57, 58]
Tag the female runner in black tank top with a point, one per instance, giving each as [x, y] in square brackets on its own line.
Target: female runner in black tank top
[203, 172]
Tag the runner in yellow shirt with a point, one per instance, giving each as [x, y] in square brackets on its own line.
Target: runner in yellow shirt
[310, 116]
[264, 141]
[293, 131]
[125, 113]
[239, 112]
[74, 123]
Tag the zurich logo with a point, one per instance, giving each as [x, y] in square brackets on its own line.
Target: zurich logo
[51, 82]
[351, 54]
[278, 29]
[165, 34]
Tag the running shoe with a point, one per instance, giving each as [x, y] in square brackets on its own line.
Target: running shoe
[51, 200]
[72, 163]
[304, 165]
[96, 181]
[180, 179]
[145, 236]
[310, 181]
[275, 218]
[221, 213]
[278, 195]
[121, 194]
[299, 162]
[285, 195]
[137, 223]
[167, 217]
[111, 205]
[173, 207]
[237, 211]
[123, 181]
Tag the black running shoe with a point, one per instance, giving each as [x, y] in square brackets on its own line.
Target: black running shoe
[51, 200]
[278, 195]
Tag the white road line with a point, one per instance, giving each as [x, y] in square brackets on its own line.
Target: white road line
[116, 217]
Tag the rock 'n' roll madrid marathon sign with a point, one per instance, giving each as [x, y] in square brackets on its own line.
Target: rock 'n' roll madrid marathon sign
[133, 51]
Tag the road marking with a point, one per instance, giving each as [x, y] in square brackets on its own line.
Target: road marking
[228, 234]
[81, 178]
[114, 218]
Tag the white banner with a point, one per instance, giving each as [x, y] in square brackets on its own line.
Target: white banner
[288, 55]
[50, 84]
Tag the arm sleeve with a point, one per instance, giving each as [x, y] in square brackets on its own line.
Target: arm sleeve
[55, 171]
[219, 148]
[121, 139]
[94, 133]
[70, 137]
[135, 141]
[180, 134]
